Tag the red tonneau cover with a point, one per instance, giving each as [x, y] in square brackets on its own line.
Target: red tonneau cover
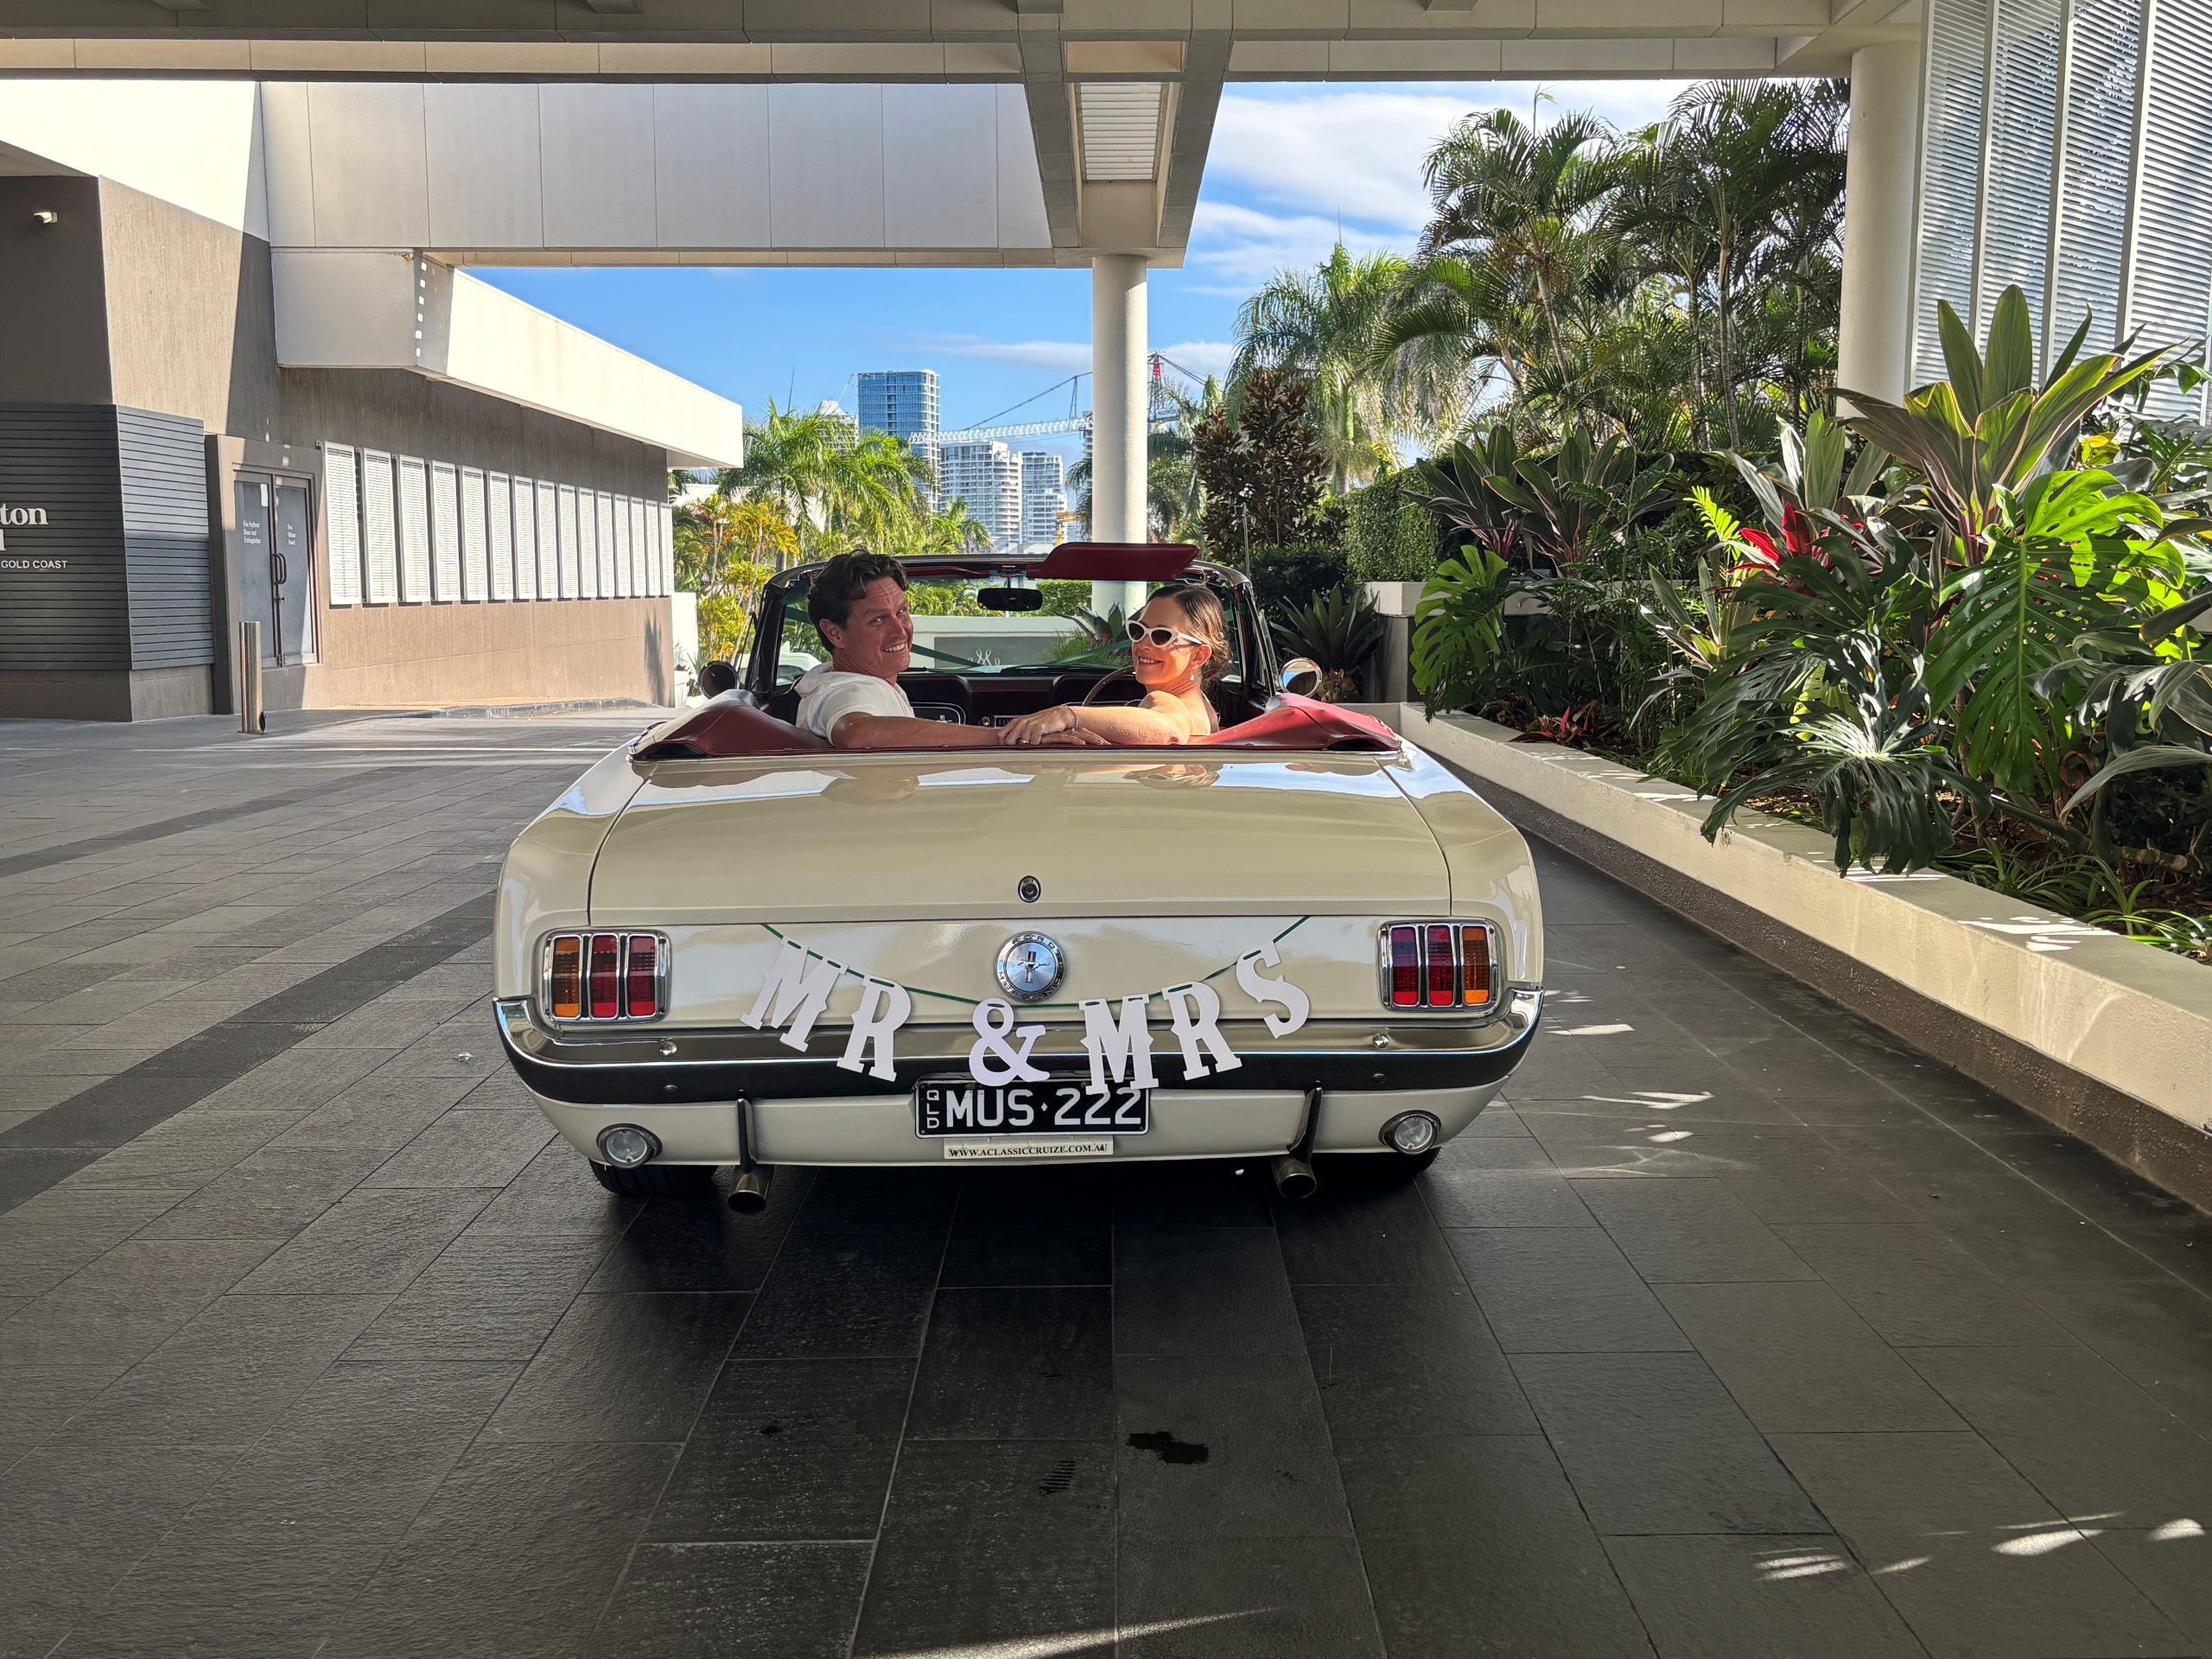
[1114, 562]
[728, 729]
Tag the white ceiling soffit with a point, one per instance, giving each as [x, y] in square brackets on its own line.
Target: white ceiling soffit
[1119, 121]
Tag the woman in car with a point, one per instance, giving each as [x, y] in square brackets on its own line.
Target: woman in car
[1178, 645]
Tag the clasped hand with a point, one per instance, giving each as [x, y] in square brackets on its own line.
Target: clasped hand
[1061, 725]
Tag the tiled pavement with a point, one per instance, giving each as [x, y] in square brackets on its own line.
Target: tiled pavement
[1742, 1331]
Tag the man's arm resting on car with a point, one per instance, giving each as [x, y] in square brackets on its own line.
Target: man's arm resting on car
[865, 731]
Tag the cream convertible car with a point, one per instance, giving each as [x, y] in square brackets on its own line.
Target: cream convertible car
[729, 945]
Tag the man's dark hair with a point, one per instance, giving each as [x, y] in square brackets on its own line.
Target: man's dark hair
[844, 579]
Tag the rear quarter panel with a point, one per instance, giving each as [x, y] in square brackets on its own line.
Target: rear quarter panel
[1485, 859]
[545, 882]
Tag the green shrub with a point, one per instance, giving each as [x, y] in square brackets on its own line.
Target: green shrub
[1388, 536]
[1288, 579]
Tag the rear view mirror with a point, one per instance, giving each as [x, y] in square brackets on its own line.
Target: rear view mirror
[1301, 677]
[1010, 598]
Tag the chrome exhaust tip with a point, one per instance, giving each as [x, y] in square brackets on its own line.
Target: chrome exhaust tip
[749, 1195]
[1294, 1176]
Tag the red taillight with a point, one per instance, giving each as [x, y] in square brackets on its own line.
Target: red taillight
[641, 987]
[1475, 968]
[606, 959]
[1405, 967]
[565, 984]
[1443, 992]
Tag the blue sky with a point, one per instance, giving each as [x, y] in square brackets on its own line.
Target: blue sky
[1288, 162]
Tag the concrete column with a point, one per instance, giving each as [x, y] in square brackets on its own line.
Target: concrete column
[1120, 402]
[1874, 343]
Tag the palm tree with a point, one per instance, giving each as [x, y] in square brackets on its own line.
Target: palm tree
[827, 484]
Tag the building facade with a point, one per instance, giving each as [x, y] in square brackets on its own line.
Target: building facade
[180, 456]
[987, 477]
[1044, 498]
[903, 402]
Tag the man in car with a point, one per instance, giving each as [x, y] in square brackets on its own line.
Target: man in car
[858, 604]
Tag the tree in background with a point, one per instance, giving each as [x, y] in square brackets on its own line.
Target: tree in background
[1259, 458]
[830, 485]
[725, 552]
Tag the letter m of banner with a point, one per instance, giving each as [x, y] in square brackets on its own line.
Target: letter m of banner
[795, 993]
[1118, 1048]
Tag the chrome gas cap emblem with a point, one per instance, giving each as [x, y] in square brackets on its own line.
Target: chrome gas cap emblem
[1031, 967]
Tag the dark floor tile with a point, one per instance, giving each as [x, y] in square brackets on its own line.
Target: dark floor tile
[903, 1200]
[1797, 1359]
[1975, 1559]
[120, 1307]
[1733, 1597]
[49, 1237]
[1561, 1290]
[1596, 1146]
[2159, 1335]
[1689, 1230]
[75, 1515]
[734, 1601]
[2171, 1564]
[1243, 1598]
[1366, 1226]
[2092, 1441]
[370, 1241]
[997, 1541]
[1654, 1444]
[1176, 1193]
[558, 1193]
[697, 1242]
[1463, 1197]
[1223, 1447]
[1496, 1153]
[1918, 1289]
[230, 1371]
[1409, 1359]
[1217, 1291]
[468, 1149]
[845, 1295]
[489, 1297]
[272, 1193]
[1033, 1227]
[1024, 1364]
[516, 1553]
[1778, 1195]
[789, 1449]
[385, 1109]
[1479, 1547]
[622, 1368]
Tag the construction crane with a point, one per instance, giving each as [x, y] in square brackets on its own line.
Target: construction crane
[1167, 399]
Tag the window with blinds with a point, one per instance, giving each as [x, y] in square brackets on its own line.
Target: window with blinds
[664, 543]
[414, 530]
[500, 534]
[2169, 289]
[342, 516]
[379, 528]
[587, 547]
[603, 512]
[2023, 112]
[626, 572]
[2090, 223]
[445, 532]
[526, 586]
[1950, 194]
[548, 541]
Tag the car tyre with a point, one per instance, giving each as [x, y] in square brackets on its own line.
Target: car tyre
[655, 1180]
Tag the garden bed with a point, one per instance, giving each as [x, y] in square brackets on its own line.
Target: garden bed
[2109, 1039]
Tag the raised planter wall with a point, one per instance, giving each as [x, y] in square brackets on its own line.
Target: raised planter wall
[2108, 1039]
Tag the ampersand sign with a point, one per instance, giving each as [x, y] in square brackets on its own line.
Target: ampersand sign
[992, 1059]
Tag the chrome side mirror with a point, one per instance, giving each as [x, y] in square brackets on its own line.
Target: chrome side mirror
[1301, 677]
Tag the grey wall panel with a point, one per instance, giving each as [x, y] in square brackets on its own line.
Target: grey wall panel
[52, 314]
[163, 480]
[63, 583]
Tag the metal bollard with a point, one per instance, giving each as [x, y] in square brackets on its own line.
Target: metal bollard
[250, 718]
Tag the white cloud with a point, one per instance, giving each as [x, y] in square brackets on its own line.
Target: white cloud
[1068, 356]
[1201, 357]
[1245, 245]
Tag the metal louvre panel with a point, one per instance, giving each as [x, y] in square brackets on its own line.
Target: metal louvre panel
[565, 523]
[414, 530]
[1950, 197]
[664, 545]
[526, 540]
[380, 532]
[501, 498]
[342, 514]
[626, 570]
[2169, 301]
[2093, 174]
[641, 580]
[548, 544]
[2023, 115]
[445, 533]
[475, 564]
[610, 586]
[1120, 127]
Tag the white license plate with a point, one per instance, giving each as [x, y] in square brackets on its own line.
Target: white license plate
[984, 1148]
[963, 1106]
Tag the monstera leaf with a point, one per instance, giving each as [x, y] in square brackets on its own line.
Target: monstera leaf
[1459, 629]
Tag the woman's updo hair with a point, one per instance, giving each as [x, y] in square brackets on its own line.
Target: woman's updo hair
[1205, 620]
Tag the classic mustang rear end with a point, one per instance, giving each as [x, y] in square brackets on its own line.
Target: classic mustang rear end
[1311, 939]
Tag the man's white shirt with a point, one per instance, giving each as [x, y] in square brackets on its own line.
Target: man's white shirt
[827, 695]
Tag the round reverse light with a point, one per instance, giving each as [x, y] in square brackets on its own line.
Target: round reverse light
[1411, 1131]
[626, 1145]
